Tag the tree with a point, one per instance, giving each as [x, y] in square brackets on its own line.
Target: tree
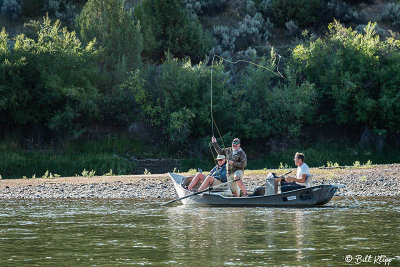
[166, 26]
[116, 32]
[357, 77]
[48, 82]
[303, 12]
[174, 98]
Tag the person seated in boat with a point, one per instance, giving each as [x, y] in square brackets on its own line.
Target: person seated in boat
[237, 161]
[301, 180]
[216, 176]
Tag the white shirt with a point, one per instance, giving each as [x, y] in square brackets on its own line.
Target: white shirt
[304, 169]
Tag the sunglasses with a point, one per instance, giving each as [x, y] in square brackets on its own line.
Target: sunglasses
[235, 143]
[220, 159]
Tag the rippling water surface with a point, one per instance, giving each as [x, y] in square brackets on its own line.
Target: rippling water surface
[117, 232]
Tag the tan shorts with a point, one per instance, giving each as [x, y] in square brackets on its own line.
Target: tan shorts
[216, 182]
[238, 174]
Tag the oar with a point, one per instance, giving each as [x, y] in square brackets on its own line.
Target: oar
[280, 176]
[199, 192]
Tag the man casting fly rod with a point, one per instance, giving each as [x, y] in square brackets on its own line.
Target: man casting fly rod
[236, 162]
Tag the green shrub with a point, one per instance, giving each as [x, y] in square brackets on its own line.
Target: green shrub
[303, 12]
[174, 98]
[48, 83]
[61, 9]
[358, 1]
[391, 14]
[116, 32]
[11, 9]
[205, 7]
[119, 144]
[270, 107]
[32, 8]
[239, 41]
[340, 11]
[166, 26]
[357, 77]
[19, 163]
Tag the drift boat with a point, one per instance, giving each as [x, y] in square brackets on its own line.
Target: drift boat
[304, 197]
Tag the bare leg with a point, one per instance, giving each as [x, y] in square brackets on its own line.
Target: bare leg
[232, 185]
[241, 186]
[195, 180]
[208, 182]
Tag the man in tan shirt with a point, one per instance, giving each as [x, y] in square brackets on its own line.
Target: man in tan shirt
[237, 161]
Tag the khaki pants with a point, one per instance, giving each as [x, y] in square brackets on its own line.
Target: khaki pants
[232, 176]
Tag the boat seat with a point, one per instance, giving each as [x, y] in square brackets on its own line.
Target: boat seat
[310, 180]
[258, 191]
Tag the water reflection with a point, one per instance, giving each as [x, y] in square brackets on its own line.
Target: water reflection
[113, 232]
[258, 235]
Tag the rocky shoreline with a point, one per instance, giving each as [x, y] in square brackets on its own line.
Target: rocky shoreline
[376, 180]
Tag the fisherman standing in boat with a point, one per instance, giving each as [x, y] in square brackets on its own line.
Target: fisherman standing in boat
[237, 161]
[216, 176]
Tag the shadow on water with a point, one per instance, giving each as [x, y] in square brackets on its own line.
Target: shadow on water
[109, 232]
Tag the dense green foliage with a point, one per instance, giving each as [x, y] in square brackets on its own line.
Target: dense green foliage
[111, 153]
[303, 12]
[357, 76]
[32, 8]
[120, 39]
[116, 32]
[70, 159]
[166, 26]
[49, 82]
[175, 98]
[32, 163]
[265, 105]
[143, 69]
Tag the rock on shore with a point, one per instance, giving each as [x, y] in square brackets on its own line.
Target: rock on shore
[378, 180]
[94, 187]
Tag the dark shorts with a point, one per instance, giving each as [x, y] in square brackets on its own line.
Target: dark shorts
[289, 186]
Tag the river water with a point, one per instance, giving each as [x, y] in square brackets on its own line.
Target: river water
[118, 232]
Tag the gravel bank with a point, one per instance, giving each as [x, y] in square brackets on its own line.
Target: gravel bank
[378, 180]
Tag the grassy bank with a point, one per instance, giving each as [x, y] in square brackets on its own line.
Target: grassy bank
[71, 158]
[33, 164]
[101, 155]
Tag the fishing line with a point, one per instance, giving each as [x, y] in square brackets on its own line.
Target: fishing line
[277, 73]
[277, 67]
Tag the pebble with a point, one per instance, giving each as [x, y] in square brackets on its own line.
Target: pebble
[359, 182]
